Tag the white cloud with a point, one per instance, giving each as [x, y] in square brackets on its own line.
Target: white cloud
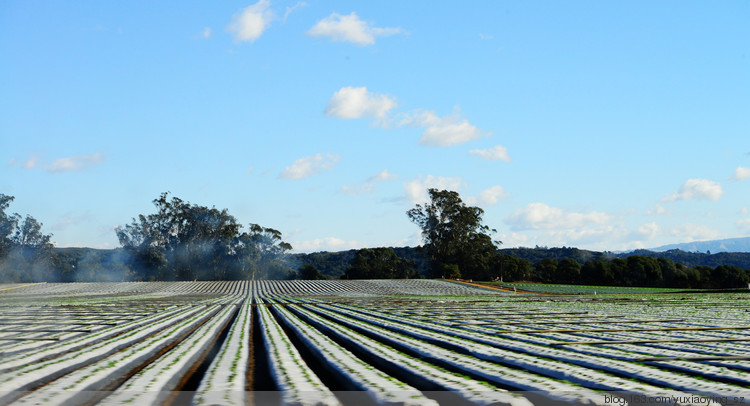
[249, 24]
[349, 28]
[356, 102]
[443, 131]
[487, 197]
[649, 230]
[498, 152]
[416, 190]
[696, 189]
[539, 216]
[741, 173]
[744, 224]
[694, 232]
[207, 32]
[290, 10]
[308, 166]
[745, 210]
[74, 163]
[326, 244]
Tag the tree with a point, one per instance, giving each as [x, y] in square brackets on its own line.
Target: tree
[597, 272]
[309, 272]
[546, 269]
[7, 224]
[271, 253]
[379, 263]
[453, 233]
[184, 241]
[568, 271]
[509, 268]
[25, 251]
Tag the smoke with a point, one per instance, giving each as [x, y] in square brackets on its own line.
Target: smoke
[24, 265]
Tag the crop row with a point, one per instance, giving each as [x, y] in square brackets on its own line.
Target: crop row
[420, 342]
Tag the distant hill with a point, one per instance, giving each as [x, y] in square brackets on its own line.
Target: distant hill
[714, 246]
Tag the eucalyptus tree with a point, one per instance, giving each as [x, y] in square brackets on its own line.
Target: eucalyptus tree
[453, 234]
[25, 251]
[186, 241]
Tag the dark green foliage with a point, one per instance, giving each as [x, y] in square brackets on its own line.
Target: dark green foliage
[331, 264]
[510, 268]
[568, 271]
[545, 270]
[450, 271]
[309, 272]
[537, 254]
[379, 263]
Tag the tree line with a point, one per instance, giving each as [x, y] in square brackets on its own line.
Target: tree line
[184, 241]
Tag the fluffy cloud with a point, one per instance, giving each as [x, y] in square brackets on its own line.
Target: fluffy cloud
[74, 163]
[443, 131]
[349, 28]
[249, 24]
[487, 197]
[539, 216]
[416, 190]
[308, 166]
[207, 32]
[356, 102]
[744, 224]
[741, 173]
[697, 189]
[498, 152]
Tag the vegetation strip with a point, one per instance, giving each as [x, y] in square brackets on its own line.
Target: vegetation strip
[619, 330]
[670, 340]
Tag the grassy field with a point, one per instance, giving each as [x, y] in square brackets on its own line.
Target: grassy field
[581, 289]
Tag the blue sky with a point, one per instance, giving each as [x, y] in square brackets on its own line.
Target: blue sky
[600, 125]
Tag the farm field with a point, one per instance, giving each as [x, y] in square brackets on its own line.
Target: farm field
[366, 342]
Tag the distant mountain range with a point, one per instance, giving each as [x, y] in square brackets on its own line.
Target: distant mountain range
[714, 246]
